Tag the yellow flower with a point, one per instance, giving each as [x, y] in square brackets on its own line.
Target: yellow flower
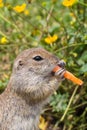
[1, 3]
[55, 37]
[26, 12]
[68, 3]
[43, 124]
[3, 40]
[20, 8]
[51, 39]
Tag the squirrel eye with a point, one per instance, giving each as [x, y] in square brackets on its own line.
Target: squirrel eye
[38, 58]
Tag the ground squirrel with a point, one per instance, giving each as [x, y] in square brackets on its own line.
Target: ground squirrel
[28, 90]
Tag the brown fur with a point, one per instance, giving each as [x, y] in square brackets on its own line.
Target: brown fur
[28, 90]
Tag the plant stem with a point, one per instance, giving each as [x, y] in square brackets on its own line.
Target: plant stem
[70, 101]
[5, 19]
[84, 4]
[68, 46]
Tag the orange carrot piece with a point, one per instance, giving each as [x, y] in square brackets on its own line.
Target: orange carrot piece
[69, 76]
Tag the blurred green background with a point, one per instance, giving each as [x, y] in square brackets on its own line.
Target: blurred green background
[62, 31]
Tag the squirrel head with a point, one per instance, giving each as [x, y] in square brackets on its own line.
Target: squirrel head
[32, 74]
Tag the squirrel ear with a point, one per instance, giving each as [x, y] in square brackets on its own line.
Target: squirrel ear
[20, 64]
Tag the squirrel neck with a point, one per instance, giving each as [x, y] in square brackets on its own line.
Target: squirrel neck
[9, 92]
[26, 97]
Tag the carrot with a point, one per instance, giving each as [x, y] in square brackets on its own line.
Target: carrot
[69, 76]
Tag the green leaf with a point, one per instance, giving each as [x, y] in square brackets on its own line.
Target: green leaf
[83, 68]
[84, 56]
[59, 102]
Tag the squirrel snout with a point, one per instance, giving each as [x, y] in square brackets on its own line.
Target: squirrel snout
[62, 63]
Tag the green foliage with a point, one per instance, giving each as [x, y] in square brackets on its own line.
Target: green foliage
[29, 29]
[59, 102]
[3, 84]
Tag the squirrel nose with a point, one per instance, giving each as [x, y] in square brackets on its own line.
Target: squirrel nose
[62, 63]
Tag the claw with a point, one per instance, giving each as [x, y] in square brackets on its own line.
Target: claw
[60, 72]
